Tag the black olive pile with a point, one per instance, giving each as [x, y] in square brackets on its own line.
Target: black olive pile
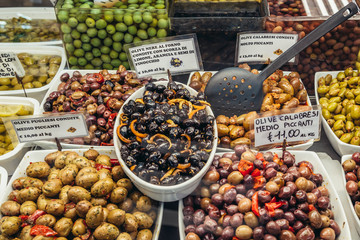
[167, 135]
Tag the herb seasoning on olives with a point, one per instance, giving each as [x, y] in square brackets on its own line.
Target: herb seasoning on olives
[167, 135]
[254, 195]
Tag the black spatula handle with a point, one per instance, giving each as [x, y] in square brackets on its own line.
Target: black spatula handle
[332, 22]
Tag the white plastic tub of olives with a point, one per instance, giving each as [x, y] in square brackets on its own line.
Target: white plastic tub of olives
[38, 27]
[341, 129]
[336, 207]
[39, 156]
[41, 65]
[94, 36]
[11, 153]
[354, 218]
[176, 189]
[3, 179]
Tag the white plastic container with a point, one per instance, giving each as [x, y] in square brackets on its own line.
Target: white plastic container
[54, 87]
[29, 13]
[37, 93]
[157, 192]
[302, 146]
[11, 159]
[3, 179]
[354, 217]
[336, 205]
[340, 147]
[38, 156]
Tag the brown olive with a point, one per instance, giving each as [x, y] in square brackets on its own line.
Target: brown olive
[352, 187]
[311, 198]
[235, 178]
[211, 177]
[204, 203]
[325, 221]
[305, 233]
[349, 165]
[301, 183]
[196, 85]
[315, 219]
[327, 234]
[244, 205]
[244, 232]
[251, 220]
[192, 236]
[324, 191]
[222, 119]
[335, 226]
[287, 235]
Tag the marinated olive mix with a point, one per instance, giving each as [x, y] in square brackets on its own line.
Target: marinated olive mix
[72, 196]
[249, 195]
[339, 98]
[352, 176]
[167, 135]
[28, 30]
[98, 95]
[39, 71]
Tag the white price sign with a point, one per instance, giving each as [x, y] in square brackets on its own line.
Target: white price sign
[292, 127]
[179, 54]
[260, 47]
[10, 65]
[50, 127]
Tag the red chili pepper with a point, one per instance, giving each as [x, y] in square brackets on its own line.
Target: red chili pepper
[270, 207]
[76, 102]
[245, 167]
[260, 156]
[235, 238]
[265, 163]
[291, 229]
[106, 144]
[273, 200]
[311, 207]
[38, 213]
[110, 102]
[228, 188]
[259, 181]
[99, 78]
[111, 119]
[114, 162]
[255, 204]
[100, 166]
[256, 173]
[86, 236]
[24, 224]
[305, 164]
[43, 231]
[24, 217]
[69, 206]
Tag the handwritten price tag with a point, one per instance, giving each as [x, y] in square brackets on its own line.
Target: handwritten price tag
[10, 65]
[292, 127]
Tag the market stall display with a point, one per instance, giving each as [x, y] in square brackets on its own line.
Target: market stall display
[173, 142]
[41, 65]
[30, 26]
[94, 35]
[31, 207]
[350, 164]
[271, 195]
[11, 151]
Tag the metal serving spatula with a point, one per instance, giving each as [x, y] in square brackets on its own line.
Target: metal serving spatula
[234, 90]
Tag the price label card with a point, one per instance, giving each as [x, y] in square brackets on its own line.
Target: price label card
[53, 2]
[49, 127]
[9, 65]
[179, 54]
[261, 47]
[293, 127]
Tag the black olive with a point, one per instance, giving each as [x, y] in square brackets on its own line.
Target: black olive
[175, 119]
[201, 96]
[136, 115]
[159, 119]
[163, 147]
[160, 88]
[143, 174]
[194, 170]
[172, 85]
[135, 153]
[152, 166]
[173, 161]
[151, 147]
[153, 127]
[168, 93]
[183, 114]
[150, 104]
[98, 133]
[170, 180]
[128, 109]
[204, 155]
[194, 160]
[124, 152]
[186, 94]
[150, 86]
[150, 112]
[188, 122]
[130, 160]
[48, 106]
[194, 147]
[154, 180]
[147, 98]
[140, 128]
[156, 97]
[162, 164]
[124, 131]
[190, 131]
[132, 145]
[209, 135]
[201, 165]
[180, 179]
[164, 128]
[210, 119]
[110, 83]
[154, 156]
[197, 138]
[140, 107]
[165, 107]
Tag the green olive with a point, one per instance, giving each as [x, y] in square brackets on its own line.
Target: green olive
[349, 71]
[322, 90]
[357, 99]
[330, 122]
[328, 79]
[339, 125]
[326, 114]
[346, 137]
[340, 117]
[332, 106]
[339, 133]
[355, 112]
[321, 82]
[355, 141]
[340, 76]
[349, 126]
[342, 92]
[335, 99]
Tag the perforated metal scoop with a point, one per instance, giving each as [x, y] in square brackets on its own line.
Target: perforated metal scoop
[234, 90]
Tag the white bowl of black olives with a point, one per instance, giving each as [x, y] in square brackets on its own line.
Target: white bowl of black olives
[166, 138]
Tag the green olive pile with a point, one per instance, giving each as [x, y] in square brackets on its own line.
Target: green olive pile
[340, 102]
[72, 196]
[24, 30]
[94, 36]
[39, 71]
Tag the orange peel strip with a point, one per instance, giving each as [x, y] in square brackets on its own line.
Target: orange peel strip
[122, 138]
[132, 167]
[188, 140]
[192, 113]
[136, 133]
[159, 135]
[140, 100]
[168, 173]
[171, 123]
[183, 165]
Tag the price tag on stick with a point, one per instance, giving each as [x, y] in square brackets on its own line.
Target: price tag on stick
[292, 127]
[10, 66]
[45, 127]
